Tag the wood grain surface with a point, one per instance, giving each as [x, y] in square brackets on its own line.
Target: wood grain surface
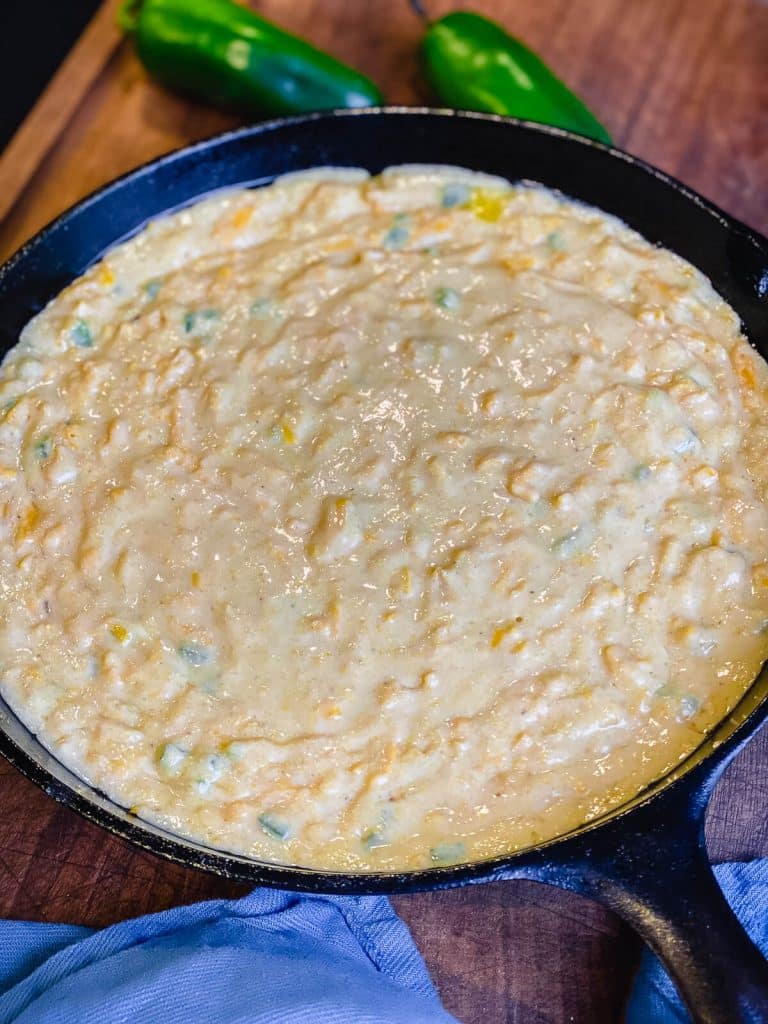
[681, 83]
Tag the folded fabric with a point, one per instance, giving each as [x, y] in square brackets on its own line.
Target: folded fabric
[272, 958]
[269, 958]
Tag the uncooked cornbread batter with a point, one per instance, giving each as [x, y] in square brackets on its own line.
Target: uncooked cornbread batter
[378, 523]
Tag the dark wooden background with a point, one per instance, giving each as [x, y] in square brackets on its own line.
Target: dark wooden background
[682, 83]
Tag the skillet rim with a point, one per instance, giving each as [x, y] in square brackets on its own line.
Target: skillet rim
[726, 219]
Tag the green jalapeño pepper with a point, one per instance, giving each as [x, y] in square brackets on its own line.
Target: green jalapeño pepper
[220, 51]
[473, 64]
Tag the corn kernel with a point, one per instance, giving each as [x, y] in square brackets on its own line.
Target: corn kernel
[490, 402]
[500, 633]
[289, 435]
[27, 523]
[514, 264]
[242, 217]
[120, 633]
[106, 276]
[486, 205]
[747, 374]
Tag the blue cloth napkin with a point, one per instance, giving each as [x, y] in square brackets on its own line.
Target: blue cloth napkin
[271, 958]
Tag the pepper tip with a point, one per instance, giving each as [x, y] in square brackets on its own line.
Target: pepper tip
[128, 15]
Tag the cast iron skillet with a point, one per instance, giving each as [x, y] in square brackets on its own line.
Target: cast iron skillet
[645, 860]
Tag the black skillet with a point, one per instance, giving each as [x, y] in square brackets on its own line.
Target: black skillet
[645, 860]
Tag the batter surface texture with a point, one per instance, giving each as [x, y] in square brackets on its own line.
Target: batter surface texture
[377, 523]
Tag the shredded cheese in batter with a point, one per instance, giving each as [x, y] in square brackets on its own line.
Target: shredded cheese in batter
[373, 523]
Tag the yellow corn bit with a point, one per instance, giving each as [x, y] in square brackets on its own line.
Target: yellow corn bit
[27, 523]
[120, 633]
[514, 264]
[405, 579]
[685, 634]
[668, 291]
[602, 454]
[330, 711]
[224, 273]
[289, 436]
[121, 567]
[106, 276]
[242, 217]
[746, 370]
[489, 402]
[760, 576]
[500, 633]
[563, 500]
[195, 579]
[717, 538]
[486, 205]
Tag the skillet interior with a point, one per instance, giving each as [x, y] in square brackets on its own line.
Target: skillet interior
[665, 212]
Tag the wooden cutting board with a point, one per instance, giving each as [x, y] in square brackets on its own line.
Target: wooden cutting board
[682, 84]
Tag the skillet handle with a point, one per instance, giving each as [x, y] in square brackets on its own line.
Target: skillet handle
[672, 899]
[651, 868]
